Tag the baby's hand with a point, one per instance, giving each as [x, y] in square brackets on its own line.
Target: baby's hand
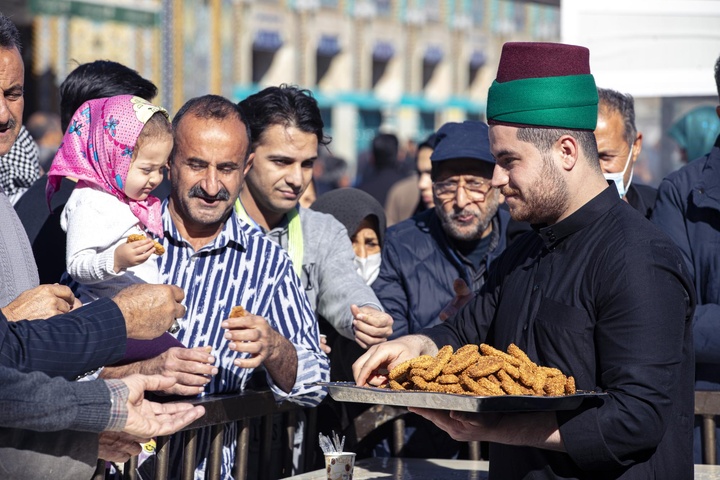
[130, 254]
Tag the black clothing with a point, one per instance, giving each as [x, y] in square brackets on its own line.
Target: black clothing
[642, 198]
[378, 183]
[604, 296]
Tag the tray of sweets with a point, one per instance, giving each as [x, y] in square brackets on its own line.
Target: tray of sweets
[349, 392]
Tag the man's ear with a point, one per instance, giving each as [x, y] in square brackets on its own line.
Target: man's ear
[569, 151]
[638, 146]
[249, 163]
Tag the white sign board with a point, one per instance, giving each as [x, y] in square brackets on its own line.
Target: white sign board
[649, 48]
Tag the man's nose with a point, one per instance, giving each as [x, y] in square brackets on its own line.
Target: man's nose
[294, 175]
[461, 197]
[211, 182]
[4, 111]
[499, 178]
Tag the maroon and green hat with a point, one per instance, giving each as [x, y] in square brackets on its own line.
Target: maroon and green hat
[543, 85]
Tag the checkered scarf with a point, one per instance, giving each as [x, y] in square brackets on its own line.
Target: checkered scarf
[19, 168]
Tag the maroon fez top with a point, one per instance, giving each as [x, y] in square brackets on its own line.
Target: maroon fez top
[538, 59]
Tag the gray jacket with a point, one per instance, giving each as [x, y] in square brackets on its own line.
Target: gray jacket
[18, 271]
[328, 273]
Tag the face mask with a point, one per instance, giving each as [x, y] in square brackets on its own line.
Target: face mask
[618, 177]
[368, 268]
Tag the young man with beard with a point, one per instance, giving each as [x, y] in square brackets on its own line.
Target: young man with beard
[457, 239]
[287, 129]
[598, 292]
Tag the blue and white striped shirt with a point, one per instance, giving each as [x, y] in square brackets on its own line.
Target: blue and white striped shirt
[241, 267]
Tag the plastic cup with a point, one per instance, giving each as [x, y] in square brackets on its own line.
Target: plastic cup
[339, 465]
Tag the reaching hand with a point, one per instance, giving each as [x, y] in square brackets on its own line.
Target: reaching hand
[463, 295]
[373, 366]
[324, 345]
[131, 254]
[191, 367]
[251, 334]
[41, 302]
[371, 325]
[149, 419]
[149, 310]
[118, 446]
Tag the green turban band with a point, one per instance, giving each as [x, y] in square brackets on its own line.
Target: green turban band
[559, 102]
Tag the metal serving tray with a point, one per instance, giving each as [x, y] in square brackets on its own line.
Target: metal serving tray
[349, 392]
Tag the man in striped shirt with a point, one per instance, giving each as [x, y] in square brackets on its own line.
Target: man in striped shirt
[220, 262]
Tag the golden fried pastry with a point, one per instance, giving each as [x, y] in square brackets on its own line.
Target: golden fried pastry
[400, 370]
[469, 372]
[473, 386]
[461, 359]
[423, 361]
[516, 352]
[509, 385]
[237, 311]
[491, 351]
[555, 386]
[447, 379]
[398, 386]
[490, 386]
[134, 237]
[552, 372]
[570, 386]
[485, 366]
[159, 249]
[441, 359]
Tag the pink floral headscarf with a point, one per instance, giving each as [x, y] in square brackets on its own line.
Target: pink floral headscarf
[97, 150]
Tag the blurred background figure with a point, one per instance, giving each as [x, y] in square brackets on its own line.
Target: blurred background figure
[413, 194]
[19, 167]
[309, 195]
[695, 132]
[330, 172]
[364, 219]
[386, 168]
[47, 133]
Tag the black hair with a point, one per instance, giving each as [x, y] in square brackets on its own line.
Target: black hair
[9, 34]
[210, 107]
[385, 147]
[286, 105]
[622, 103]
[545, 138]
[100, 79]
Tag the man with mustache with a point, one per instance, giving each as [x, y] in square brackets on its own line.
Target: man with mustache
[596, 291]
[457, 239]
[221, 262]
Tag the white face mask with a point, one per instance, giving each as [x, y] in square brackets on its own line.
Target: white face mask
[368, 268]
[618, 177]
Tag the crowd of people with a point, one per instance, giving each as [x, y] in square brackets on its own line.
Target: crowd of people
[213, 250]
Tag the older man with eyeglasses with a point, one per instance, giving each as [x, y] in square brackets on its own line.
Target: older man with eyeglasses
[443, 251]
[425, 256]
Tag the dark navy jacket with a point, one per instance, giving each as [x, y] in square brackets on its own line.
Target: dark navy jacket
[419, 267]
[688, 210]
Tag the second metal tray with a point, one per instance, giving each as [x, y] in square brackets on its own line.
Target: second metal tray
[349, 392]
